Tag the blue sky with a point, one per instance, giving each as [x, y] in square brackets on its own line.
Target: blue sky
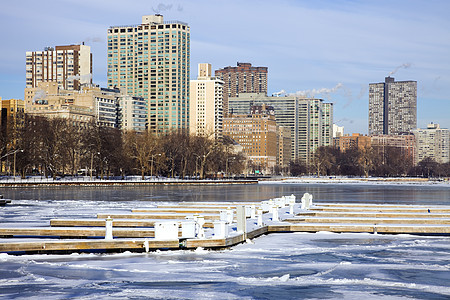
[307, 45]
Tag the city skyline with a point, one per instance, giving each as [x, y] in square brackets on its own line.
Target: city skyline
[328, 49]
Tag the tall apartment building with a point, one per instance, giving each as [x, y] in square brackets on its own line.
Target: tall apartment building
[256, 132]
[432, 142]
[70, 66]
[206, 104]
[392, 107]
[310, 120]
[242, 79]
[151, 60]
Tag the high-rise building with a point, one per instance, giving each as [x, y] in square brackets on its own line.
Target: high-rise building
[309, 119]
[206, 104]
[151, 60]
[70, 66]
[432, 142]
[256, 132]
[242, 79]
[392, 107]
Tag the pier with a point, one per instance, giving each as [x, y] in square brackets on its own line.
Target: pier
[188, 225]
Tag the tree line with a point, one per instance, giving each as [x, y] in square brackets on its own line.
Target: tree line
[59, 147]
[377, 161]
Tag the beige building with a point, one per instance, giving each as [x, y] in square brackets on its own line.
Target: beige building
[257, 134]
[354, 141]
[284, 146]
[70, 66]
[11, 115]
[206, 100]
[83, 106]
[152, 60]
[406, 143]
[309, 119]
[432, 142]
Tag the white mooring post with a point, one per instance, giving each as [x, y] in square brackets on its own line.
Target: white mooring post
[259, 215]
[275, 214]
[253, 211]
[291, 208]
[241, 219]
[229, 215]
[201, 230]
[108, 228]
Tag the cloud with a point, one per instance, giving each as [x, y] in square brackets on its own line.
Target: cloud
[322, 91]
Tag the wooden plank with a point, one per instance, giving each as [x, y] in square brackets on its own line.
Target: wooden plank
[373, 215]
[176, 210]
[435, 221]
[154, 216]
[385, 210]
[75, 232]
[320, 204]
[80, 245]
[257, 232]
[116, 223]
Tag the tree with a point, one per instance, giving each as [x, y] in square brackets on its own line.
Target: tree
[366, 160]
[323, 160]
[140, 146]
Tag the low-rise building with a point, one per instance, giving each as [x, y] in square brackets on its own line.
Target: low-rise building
[432, 142]
[354, 141]
[406, 143]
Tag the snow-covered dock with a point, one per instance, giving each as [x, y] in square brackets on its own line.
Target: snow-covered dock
[218, 225]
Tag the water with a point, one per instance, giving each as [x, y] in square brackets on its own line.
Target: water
[283, 266]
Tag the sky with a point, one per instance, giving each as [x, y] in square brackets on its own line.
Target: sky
[328, 49]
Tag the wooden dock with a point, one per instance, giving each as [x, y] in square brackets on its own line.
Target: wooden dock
[135, 230]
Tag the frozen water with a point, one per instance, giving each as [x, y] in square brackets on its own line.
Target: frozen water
[276, 266]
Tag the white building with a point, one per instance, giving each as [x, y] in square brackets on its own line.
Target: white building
[206, 106]
[70, 66]
[432, 142]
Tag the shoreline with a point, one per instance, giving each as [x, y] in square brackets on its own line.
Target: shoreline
[82, 181]
[33, 182]
[359, 180]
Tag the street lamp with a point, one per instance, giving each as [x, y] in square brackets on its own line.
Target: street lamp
[13, 152]
[92, 161]
[226, 165]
